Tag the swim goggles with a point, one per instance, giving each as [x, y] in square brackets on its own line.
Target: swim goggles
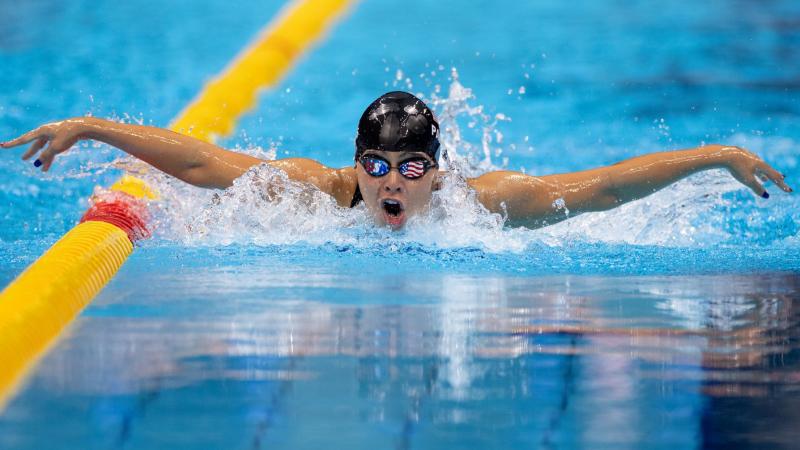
[411, 168]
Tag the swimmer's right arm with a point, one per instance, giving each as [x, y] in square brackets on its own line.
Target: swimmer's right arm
[186, 158]
[191, 160]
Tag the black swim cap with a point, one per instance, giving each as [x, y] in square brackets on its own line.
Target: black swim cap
[398, 122]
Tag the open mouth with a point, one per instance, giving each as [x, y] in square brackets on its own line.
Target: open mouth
[393, 212]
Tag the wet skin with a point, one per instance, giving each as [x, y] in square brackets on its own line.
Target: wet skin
[526, 200]
[381, 193]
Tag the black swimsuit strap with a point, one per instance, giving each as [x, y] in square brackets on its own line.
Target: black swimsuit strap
[356, 197]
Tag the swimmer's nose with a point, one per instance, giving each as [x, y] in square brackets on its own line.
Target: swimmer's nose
[394, 182]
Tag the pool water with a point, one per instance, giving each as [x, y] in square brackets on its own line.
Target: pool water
[669, 322]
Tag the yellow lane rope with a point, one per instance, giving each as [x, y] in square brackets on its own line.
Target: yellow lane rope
[52, 291]
[215, 111]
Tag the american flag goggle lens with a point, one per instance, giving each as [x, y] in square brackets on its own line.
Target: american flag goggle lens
[410, 168]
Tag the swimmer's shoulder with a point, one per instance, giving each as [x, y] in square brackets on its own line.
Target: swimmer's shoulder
[496, 180]
[344, 184]
[486, 181]
[494, 188]
[339, 183]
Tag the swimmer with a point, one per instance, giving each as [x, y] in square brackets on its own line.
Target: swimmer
[396, 167]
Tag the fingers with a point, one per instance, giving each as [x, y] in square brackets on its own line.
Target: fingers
[774, 176]
[34, 148]
[46, 158]
[24, 139]
[748, 178]
[752, 182]
[56, 146]
[59, 142]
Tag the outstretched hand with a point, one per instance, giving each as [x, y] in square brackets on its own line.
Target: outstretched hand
[751, 170]
[59, 135]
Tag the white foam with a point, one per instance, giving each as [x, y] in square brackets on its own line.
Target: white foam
[264, 207]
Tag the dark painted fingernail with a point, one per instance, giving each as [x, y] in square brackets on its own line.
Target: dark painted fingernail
[765, 194]
[37, 163]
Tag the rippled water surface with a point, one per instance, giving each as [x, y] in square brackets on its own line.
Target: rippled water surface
[244, 323]
[266, 354]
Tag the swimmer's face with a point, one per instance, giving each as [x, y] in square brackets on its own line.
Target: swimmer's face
[392, 198]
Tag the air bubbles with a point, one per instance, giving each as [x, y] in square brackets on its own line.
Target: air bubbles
[663, 129]
[262, 207]
[560, 205]
[456, 111]
[265, 207]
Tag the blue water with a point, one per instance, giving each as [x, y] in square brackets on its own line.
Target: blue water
[669, 322]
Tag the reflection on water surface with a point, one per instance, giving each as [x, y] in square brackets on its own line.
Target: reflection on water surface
[446, 360]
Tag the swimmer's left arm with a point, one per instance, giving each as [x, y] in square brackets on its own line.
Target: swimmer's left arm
[538, 201]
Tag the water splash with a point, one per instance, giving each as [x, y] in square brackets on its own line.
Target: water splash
[464, 156]
[90, 159]
[265, 207]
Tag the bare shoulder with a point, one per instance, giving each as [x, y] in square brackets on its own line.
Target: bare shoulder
[344, 185]
[300, 168]
[489, 189]
[339, 183]
[526, 199]
[493, 186]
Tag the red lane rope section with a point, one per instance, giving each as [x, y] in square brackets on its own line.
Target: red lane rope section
[121, 210]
